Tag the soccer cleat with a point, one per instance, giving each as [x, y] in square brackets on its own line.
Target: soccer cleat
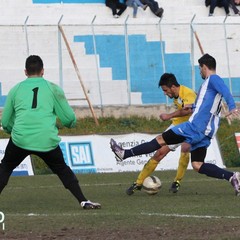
[235, 181]
[117, 150]
[134, 187]
[174, 187]
[90, 205]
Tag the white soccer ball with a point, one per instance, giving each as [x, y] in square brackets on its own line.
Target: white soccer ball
[151, 185]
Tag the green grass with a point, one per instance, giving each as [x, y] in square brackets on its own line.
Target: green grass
[38, 207]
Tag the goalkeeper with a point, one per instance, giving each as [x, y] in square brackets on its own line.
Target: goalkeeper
[181, 96]
[29, 115]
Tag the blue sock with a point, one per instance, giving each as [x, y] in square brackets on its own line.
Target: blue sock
[214, 171]
[147, 147]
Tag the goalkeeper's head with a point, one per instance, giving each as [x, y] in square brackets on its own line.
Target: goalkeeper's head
[34, 66]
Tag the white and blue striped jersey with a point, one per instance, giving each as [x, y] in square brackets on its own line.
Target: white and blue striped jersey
[206, 115]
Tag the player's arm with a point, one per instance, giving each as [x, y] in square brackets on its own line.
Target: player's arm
[8, 114]
[222, 88]
[63, 110]
[234, 113]
[188, 99]
[185, 111]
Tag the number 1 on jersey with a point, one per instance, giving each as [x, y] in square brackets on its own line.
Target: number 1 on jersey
[34, 101]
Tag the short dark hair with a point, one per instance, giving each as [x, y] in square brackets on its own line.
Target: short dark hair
[168, 79]
[208, 60]
[34, 65]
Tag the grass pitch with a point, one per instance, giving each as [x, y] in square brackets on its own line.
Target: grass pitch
[38, 207]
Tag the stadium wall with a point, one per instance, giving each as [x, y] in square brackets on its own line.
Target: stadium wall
[120, 60]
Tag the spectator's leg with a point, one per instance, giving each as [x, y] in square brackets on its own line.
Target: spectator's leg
[122, 7]
[113, 8]
[233, 6]
[135, 8]
[225, 4]
[212, 7]
[153, 6]
[138, 2]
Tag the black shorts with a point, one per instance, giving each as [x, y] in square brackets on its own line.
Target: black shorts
[197, 155]
[171, 137]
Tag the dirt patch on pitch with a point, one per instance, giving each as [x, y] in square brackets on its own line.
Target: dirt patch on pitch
[176, 231]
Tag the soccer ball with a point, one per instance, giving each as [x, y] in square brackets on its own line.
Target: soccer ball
[151, 185]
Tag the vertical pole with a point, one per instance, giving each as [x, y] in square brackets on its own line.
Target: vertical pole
[96, 60]
[60, 55]
[227, 53]
[127, 61]
[162, 53]
[26, 34]
[161, 45]
[192, 54]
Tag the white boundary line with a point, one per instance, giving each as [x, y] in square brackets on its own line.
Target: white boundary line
[189, 216]
[102, 213]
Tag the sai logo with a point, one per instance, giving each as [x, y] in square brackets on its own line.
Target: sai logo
[81, 154]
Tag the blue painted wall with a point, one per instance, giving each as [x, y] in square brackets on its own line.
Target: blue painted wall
[146, 64]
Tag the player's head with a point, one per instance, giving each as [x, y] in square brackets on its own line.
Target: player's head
[34, 66]
[169, 85]
[206, 63]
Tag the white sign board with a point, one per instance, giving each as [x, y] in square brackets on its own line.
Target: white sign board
[92, 154]
[24, 169]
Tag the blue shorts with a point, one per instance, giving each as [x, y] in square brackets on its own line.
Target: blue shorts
[192, 136]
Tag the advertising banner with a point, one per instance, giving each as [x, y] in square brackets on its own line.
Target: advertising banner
[24, 169]
[92, 153]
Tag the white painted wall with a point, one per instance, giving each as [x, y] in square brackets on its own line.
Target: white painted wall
[41, 35]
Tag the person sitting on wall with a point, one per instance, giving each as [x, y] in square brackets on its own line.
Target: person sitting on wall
[217, 3]
[135, 4]
[153, 5]
[116, 6]
[234, 7]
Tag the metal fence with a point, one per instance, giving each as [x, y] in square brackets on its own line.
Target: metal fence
[91, 69]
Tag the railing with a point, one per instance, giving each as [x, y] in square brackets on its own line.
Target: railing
[166, 47]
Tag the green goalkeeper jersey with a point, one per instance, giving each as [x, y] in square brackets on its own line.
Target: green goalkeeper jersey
[30, 114]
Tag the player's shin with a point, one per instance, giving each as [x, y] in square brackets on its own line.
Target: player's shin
[182, 166]
[211, 170]
[147, 147]
[148, 169]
